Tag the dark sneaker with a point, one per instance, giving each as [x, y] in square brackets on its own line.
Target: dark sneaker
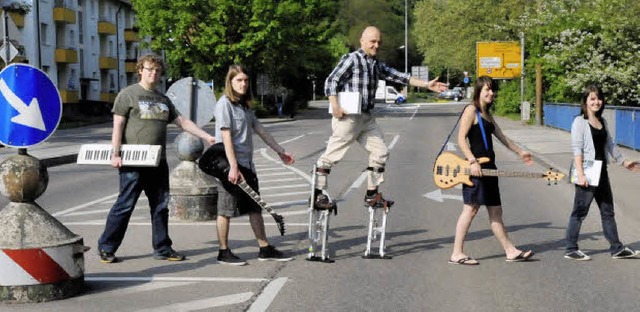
[270, 253]
[625, 253]
[170, 255]
[107, 257]
[225, 256]
[322, 202]
[577, 255]
[377, 201]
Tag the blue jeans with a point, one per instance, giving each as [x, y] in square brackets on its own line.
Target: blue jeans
[604, 198]
[155, 184]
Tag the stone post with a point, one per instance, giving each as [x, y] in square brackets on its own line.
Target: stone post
[40, 259]
[193, 194]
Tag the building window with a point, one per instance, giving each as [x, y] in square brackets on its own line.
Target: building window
[80, 27]
[44, 38]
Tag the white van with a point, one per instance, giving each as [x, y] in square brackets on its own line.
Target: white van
[387, 94]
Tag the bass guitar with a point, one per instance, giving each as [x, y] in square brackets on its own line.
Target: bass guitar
[451, 170]
[214, 162]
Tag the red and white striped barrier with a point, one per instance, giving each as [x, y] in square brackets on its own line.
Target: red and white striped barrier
[21, 267]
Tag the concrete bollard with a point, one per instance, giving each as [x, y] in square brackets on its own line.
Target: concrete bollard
[193, 194]
[40, 259]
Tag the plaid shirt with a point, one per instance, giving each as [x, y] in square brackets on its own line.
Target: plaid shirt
[358, 72]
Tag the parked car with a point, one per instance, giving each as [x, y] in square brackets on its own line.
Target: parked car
[451, 94]
[461, 90]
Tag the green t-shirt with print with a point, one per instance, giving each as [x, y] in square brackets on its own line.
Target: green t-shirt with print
[148, 113]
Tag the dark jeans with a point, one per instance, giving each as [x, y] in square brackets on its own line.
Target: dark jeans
[604, 198]
[133, 180]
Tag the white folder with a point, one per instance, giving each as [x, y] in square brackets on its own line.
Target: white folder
[592, 170]
[350, 102]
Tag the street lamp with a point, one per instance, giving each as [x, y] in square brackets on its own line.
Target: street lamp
[406, 44]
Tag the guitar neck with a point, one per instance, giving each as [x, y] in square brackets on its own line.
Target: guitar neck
[505, 173]
[247, 189]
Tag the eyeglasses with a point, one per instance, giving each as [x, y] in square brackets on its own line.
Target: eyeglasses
[153, 69]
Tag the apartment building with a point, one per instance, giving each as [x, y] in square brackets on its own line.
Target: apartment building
[88, 48]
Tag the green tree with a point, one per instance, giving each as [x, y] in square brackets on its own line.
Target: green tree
[576, 41]
[388, 16]
[447, 30]
[202, 38]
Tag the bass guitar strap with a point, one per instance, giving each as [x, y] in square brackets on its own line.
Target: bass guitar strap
[450, 133]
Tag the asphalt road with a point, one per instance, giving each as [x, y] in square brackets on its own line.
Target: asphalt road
[419, 238]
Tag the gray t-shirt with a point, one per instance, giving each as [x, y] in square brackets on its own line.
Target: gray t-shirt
[241, 122]
[147, 113]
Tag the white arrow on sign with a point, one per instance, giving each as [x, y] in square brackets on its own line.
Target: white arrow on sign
[30, 115]
[439, 197]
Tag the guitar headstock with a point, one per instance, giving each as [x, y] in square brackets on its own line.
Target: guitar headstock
[552, 175]
[280, 222]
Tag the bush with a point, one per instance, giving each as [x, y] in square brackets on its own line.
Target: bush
[508, 98]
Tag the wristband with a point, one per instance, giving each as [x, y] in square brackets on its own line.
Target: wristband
[473, 161]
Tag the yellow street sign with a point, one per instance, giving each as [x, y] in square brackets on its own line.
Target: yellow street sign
[499, 59]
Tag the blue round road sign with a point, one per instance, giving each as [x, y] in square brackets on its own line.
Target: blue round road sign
[466, 80]
[30, 106]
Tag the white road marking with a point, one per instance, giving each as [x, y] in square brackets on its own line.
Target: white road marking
[283, 186]
[293, 139]
[173, 279]
[439, 197]
[201, 223]
[288, 194]
[270, 169]
[91, 203]
[147, 286]
[204, 303]
[268, 294]
[275, 174]
[414, 114]
[280, 180]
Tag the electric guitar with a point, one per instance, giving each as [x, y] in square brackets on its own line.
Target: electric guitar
[451, 170]
[214, 162]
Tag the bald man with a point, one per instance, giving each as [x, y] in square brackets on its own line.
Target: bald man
[359, 71]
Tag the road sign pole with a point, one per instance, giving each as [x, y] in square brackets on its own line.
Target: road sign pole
[7, 57]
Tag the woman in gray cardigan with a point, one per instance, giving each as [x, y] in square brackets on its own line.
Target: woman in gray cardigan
[590, 140]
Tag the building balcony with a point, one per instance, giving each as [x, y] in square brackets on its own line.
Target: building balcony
[131, 35]
[107, 97]
[69, 96]
[66, 56]
[130, 66]
[64, 15]
[17, 18]
[106, 28]
[106, 62]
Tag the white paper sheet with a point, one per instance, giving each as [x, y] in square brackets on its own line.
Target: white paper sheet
[349, 101]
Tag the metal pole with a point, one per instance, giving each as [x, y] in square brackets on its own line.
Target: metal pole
[522, 71]
[406, 44]
[539, 94]
[7, 53]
